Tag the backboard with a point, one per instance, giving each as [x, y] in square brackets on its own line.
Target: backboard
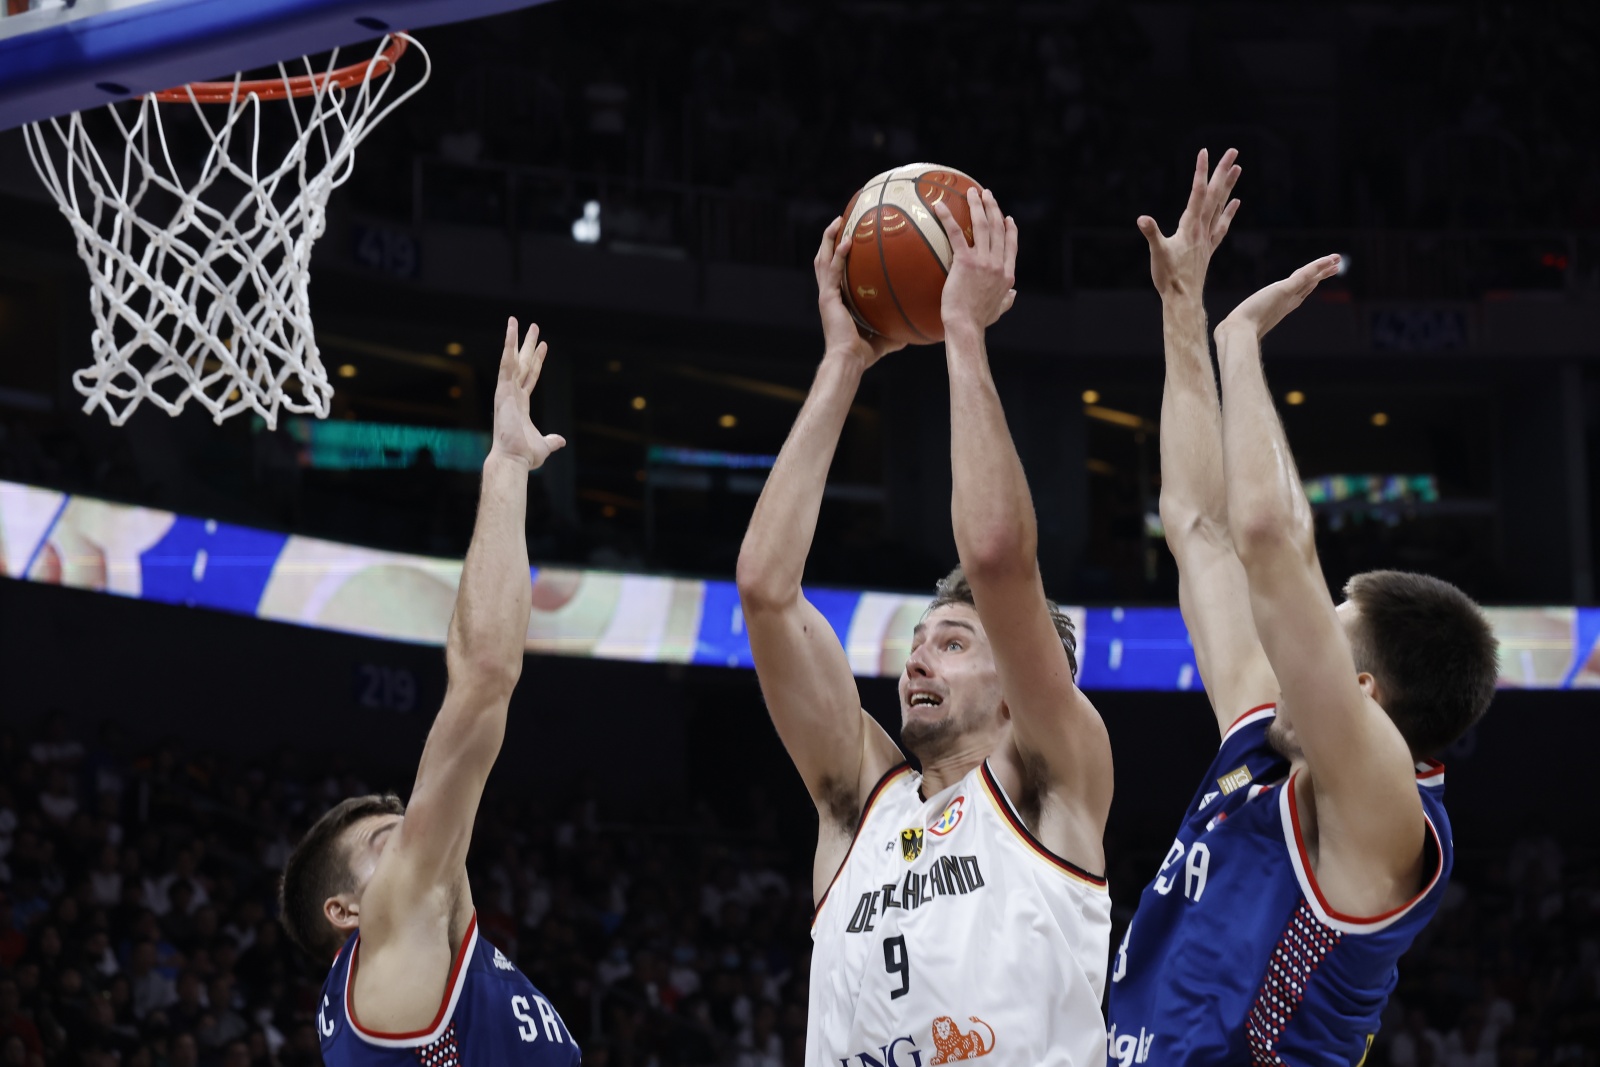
[58, 57]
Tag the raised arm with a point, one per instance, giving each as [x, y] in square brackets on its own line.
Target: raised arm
[805, 676]
[1361, 781]
[997, 537]
[1212, 591]
[483, 655]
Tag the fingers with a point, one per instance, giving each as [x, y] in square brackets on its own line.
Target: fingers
[1224, 220]
[996, 220]
[1010, 298]
[1195, 208]
[1011, 249]
[1222, 179]
[841, 252]
[1152, 232]
[532, 366]
[952, 230]
[830, 237]
[980, 219]
[555, 442]
[1314, 273]
[508, 355]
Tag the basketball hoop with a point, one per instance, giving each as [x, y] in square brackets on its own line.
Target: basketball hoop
[199, 290]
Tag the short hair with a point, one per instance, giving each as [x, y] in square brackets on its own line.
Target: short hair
[319, 868]
[954, 588]
[1431, 650]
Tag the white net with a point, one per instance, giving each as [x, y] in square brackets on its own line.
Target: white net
[199, 269]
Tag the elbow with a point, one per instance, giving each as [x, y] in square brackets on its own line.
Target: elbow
[1269, 534]
[760, 589]
[1184, 524]
[489, 677]
[998, 551]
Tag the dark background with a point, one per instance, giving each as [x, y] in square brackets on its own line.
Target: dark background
[1446, 149]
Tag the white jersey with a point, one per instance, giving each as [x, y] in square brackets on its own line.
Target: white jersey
[950, 933]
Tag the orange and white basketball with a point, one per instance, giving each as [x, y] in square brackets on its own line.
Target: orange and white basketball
[895, 273]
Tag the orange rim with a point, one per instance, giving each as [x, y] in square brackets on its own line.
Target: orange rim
[283, 88]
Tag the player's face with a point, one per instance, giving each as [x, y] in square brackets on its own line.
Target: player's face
[366, 841]
[1280, 735]
[950, 687]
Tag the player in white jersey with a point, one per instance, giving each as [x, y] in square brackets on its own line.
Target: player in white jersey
[957, 916]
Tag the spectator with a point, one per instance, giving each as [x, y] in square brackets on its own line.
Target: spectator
[151, 990]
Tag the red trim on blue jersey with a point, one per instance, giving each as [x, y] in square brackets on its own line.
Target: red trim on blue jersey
[1311, 875]
[872, 798]
[1246, 715]
[444, 1004]
[1033, 842]
[1430, 772]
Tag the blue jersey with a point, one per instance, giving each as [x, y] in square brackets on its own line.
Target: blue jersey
[1233, 956]
[490, 1014]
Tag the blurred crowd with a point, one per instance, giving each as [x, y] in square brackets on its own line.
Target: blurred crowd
[137, 927]
[736, 130]
[136, 922]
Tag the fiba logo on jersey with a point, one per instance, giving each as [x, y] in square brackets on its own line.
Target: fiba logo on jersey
[948, 820]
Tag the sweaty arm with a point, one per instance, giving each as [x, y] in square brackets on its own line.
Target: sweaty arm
[1054, 724]
[839, 750]
[417, 904]
[1359, 787]
[1212, 592]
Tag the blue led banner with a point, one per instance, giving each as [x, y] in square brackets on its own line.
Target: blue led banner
[57, 538]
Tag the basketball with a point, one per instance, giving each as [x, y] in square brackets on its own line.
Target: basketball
[895, 273]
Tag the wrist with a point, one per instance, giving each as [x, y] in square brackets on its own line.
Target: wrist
[498, 460]
[850, 361]
[1179, 298]
[962, 332]
[1231, 328]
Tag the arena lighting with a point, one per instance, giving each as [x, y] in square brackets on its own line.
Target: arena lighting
[453, 348]
[1118, 418]
[728, 422]
[1295, 398]
[586, 230]
[159, 556]
[638, 403]
[1090, 396]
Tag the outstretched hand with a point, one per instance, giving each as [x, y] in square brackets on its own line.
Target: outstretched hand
[515, 435]
[840, 331]
[1264, 309]
[1178, 263]
[979, 289]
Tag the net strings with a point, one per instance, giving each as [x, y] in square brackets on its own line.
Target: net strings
[205, 301]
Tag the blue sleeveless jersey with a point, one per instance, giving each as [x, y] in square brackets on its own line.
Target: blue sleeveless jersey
[491, 1014]
[1233, 956]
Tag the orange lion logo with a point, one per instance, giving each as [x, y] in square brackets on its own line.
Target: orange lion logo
[951, 1044]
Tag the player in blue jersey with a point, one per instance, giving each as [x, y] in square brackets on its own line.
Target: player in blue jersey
[1317, 845]
[380, 888]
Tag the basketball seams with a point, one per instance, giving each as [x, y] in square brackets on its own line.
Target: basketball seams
[883, 261]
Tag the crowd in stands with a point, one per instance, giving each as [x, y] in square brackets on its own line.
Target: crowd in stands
[1084, 115]
[137, 926]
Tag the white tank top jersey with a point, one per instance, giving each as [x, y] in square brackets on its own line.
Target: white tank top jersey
[950, 933]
